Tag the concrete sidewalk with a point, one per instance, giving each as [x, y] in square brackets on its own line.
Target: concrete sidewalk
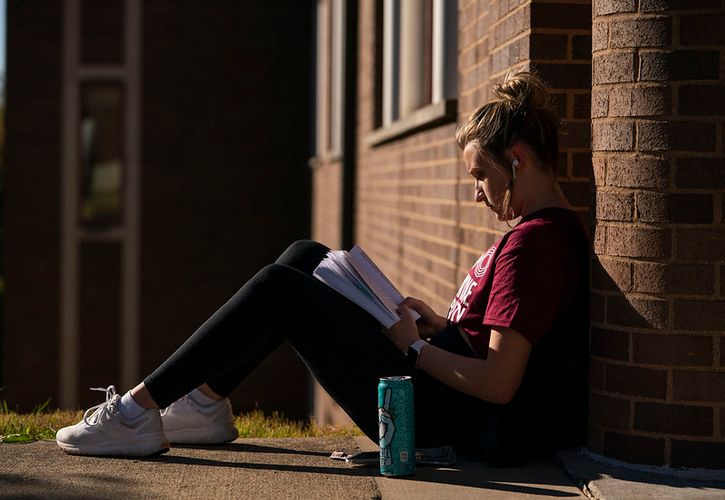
[301, 468]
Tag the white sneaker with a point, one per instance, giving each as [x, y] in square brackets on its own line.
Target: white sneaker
[188, 422]
[105, 431]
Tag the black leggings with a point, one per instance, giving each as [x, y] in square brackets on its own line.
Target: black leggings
[340, 343]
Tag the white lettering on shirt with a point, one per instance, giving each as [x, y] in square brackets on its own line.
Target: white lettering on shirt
[460, 303]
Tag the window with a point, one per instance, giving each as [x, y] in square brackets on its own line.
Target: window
[419, 65]
[101, 158]
[330, 77]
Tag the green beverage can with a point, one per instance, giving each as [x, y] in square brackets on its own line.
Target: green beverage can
[396, 426]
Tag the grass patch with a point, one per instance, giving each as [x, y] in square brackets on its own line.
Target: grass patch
[34, 426]
[43, 424]
[257, 424]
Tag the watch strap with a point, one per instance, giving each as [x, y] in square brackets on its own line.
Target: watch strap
[418, 345]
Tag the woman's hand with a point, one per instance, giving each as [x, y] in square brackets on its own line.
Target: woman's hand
[429, 323]
[404, 332]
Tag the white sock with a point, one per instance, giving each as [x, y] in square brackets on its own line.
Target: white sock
[201, 398]
[129, 407]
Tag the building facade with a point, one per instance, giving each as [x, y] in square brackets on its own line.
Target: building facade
[150, 170]
[639, 88]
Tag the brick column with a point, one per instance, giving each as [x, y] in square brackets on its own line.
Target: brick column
[658, 309]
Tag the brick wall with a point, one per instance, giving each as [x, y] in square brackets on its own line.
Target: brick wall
[225, 185]
[657, 305]
[327, 203]
[32, 197]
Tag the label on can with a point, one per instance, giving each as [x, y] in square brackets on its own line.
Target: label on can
[396, 426]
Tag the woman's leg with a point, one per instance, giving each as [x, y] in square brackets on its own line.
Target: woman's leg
[303, 255]
[340, 342]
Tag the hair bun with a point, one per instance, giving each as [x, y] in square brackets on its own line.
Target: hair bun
[523, 90]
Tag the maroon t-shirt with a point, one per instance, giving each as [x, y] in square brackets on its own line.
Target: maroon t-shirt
[525, 281]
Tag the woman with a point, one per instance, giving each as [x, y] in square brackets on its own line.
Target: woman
[501, 378]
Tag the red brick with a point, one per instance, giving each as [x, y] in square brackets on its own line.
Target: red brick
[612, 136]
[575, 135]
[615, 206]
[679, 65]
[596, 307]
[595, 438]
[600, 103]
[600, 36]
[674, 207]
[638, 172]
[653, 66]
[701, 454]
[707, 386]
[604, 7]
[700, 244]
[599, 170]
[596, 374]
[640, 101]
[703, 173]
[600, 239]
[694, 279]
[611, 275]
[546, 46]
[562, 165]
[609, 411]
[653, 136]
[561, 16]
[636, 381]
[613, 68]
[702, 100]
[639, 313]
[581, 46]
[566, 76]
[610, 344]
[673, 350]
[692, 136]
[558, 102]
[642, 32]
[674, 5]
[638, 242]
[705, 29]
[578, 193]
[700, 314]
[582, 106]
[581, 165]
[634, 449]
[673, 419]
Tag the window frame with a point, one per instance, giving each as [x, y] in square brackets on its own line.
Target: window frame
[443, 105]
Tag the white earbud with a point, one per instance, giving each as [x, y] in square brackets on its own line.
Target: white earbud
[514, 166]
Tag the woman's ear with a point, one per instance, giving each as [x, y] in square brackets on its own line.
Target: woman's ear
[518, 157]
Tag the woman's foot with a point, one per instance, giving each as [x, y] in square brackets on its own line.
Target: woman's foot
[188, 421]
[105, 430]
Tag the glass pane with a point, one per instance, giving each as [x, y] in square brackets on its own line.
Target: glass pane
[101, 158]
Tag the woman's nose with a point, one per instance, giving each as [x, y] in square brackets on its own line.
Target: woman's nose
[477, 190]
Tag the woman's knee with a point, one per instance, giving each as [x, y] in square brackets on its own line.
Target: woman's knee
[304, 255]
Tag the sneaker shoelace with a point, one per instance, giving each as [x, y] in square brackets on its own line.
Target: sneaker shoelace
[97, 411]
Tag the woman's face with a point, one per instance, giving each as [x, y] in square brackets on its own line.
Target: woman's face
[490, 181]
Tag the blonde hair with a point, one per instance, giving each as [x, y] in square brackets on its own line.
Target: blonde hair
[520, 113]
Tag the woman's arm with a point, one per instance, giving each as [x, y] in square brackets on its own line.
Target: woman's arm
[494, 379]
